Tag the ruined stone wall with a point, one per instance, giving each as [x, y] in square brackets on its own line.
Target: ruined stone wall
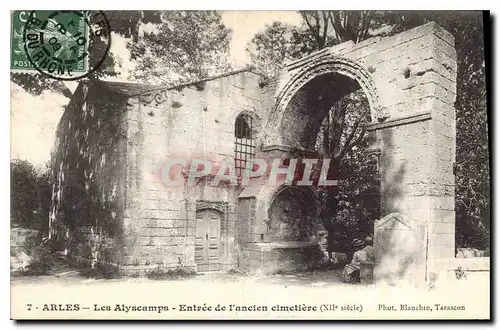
[415, 74]
[270, 87]
[195, 121]
[410, 82]
[88, 164]
[247, 220]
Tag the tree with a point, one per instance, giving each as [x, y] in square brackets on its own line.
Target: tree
[279, 42]
[273, 47]
[337, 26]
[472, 157]
[167, 46]
[185, 46]
[36, 84]
[30, 195]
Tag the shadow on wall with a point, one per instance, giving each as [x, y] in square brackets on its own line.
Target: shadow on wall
[88, 166]
[398, 239]
[291, 214]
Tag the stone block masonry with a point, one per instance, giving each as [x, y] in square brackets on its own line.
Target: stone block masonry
[89, 167]
[410, 82]
[110, 204]
[193, 122]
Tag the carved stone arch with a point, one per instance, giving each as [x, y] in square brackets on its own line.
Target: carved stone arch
[329, 64]
[304, 190]
[298, 206]
[246, 111]
[256, 118]
[220, 207]
[216, 206]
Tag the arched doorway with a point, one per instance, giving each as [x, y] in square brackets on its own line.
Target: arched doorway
[305, 98]
[291, 214]
[325, 111]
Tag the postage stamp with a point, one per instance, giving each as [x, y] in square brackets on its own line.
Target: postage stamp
[59, 44]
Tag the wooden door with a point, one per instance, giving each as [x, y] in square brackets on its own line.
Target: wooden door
[207, 243]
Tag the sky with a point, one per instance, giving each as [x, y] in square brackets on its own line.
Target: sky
[34, 118]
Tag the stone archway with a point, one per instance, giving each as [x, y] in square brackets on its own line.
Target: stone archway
[291, 214]
[327, 70]
[307, 96]
[410, 82]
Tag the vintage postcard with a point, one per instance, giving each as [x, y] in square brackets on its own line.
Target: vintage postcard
[244, 165]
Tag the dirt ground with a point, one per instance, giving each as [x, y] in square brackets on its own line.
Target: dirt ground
[67, 276]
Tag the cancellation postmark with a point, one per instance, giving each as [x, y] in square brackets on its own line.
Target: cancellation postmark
[64, 45]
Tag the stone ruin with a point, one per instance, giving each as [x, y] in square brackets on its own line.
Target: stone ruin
[110, 206]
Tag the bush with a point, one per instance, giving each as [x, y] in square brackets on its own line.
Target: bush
[234, 271]
[160, 273]
[30, 196]
[101, 270]
[41, 262]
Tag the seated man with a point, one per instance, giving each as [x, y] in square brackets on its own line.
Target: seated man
[364, 253]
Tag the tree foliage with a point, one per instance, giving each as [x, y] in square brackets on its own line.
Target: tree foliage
[336, 26]
[167, 47]
[185, 45]
[268, 50]
[278, 43]
[30, 195]
[472, 158]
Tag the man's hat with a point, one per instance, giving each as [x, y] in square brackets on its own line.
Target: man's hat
[357, 243]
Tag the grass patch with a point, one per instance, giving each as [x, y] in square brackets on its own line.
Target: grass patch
[170, 274]
[294, 271]
[101, 271]
[234, 271]
[311, 268]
